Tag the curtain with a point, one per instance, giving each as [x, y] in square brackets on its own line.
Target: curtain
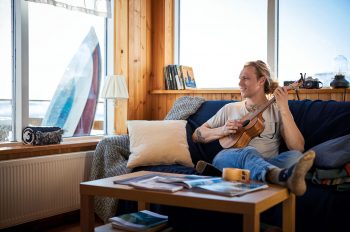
[96, 7]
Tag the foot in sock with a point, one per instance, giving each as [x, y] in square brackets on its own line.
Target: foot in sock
[206, 169]
[296, 182]
[294, 177]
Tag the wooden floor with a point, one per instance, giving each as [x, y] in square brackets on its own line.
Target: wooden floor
[69, 222]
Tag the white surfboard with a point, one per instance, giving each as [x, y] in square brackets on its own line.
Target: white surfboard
[68, 103]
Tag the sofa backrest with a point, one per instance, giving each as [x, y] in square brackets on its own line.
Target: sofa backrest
[318, 121]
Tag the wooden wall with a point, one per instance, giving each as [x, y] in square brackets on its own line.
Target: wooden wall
[133, 58]
[164, 99]
[144, 45]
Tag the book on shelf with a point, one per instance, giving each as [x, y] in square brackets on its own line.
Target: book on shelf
[175, 74]
[181, 76]
[207, 184]
[140, 221]
[178, 77]
[188, 76]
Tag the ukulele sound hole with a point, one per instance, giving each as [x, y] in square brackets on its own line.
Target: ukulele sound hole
[246, 122]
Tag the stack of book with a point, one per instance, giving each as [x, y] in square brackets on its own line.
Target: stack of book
[140, 221]
[179, 77]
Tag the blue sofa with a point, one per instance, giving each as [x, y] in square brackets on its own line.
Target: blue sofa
[320, 209]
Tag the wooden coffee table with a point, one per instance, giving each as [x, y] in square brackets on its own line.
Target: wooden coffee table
[250, 204]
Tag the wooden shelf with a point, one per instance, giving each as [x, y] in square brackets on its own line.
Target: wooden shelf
[236, 90]
[18, 150]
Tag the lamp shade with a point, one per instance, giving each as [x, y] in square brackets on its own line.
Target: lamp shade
[115, 87]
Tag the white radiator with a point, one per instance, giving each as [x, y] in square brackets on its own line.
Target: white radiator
[40, 187]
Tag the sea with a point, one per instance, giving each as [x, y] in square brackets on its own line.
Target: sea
[37, 111]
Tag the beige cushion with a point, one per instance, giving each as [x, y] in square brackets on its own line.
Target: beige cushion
[158, 142]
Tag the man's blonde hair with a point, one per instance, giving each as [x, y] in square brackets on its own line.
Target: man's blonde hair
[262, 69]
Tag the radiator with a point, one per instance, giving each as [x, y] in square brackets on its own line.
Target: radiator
[41, 187]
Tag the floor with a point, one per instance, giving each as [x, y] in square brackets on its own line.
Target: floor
[69, 222]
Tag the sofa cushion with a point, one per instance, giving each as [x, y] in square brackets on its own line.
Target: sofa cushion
[158, 142]
[184, 107]
[333, 153]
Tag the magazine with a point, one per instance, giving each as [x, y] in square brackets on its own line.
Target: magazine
[153, 183]
[189, 181]
[140, 221]
[215, 185]
[231, 188]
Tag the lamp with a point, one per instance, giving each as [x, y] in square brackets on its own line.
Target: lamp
[115, 88]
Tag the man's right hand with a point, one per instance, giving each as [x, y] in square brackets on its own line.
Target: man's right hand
[231, 126]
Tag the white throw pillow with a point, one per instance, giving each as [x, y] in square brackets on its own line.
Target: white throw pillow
[158, 142]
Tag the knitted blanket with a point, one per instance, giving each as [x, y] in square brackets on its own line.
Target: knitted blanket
[109, 160]
[111, 154]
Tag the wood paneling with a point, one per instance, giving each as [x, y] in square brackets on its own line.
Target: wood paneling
[162, 40]
[164, 99]
[133, 54]
[121, 54]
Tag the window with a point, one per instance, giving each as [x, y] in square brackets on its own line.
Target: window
[57, 61]
[311, 34]
[66, 62]
[5, 72]
[220, 37]
[302, 37]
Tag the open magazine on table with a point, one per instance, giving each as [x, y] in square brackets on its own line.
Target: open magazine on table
[232, 188]
[214, 185]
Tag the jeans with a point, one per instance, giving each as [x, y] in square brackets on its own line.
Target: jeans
[249, 158]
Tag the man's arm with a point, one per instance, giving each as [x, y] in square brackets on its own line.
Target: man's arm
[290, 132]
[206, 134]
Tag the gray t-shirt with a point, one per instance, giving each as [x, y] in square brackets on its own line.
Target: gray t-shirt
[267, 143]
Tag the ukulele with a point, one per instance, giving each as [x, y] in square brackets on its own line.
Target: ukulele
[253, 124]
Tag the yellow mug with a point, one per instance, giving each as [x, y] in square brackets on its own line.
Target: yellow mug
[236, 174]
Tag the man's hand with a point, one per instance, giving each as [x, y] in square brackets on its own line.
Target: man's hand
[281, 95]
[231, 127]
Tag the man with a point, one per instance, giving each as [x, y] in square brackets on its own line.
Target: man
[260, 156]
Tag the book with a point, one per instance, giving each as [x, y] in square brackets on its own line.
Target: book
[144, 220]
[178, 67]
[232, 188]
[187, 73]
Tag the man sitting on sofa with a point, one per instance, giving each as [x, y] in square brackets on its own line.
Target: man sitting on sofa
[261, 155]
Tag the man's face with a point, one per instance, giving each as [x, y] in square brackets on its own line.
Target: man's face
[249, 84]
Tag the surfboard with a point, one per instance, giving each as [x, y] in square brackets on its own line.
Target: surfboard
[76, 86]
[87, 119]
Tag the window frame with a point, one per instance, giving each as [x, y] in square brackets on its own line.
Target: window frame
[20, 65]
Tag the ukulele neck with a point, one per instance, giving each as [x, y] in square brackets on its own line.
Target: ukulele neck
[262, 108]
